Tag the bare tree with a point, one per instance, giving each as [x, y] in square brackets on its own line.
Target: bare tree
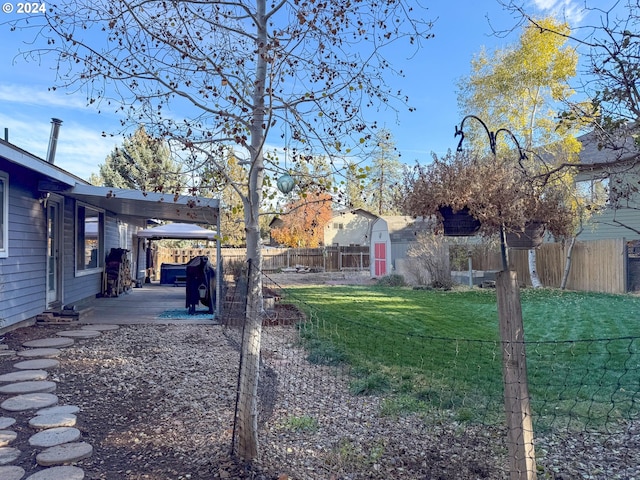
[209, 74]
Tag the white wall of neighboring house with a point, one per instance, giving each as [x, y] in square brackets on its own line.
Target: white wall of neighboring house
[348, 228]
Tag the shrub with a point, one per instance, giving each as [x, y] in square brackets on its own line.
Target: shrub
[392, 280]
[430, 260]
[497, 192]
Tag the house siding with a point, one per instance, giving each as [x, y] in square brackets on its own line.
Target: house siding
[76, 287]
[22, 273]
[619, 223]
[620, 169]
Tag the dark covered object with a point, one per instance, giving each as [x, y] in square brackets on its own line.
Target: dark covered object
[201, 284]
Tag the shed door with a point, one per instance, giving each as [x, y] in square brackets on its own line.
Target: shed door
[380, 258]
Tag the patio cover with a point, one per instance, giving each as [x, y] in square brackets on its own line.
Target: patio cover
[135, 203]
[184, 231]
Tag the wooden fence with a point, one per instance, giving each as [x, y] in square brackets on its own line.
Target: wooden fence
[329, 259]
[598, 265]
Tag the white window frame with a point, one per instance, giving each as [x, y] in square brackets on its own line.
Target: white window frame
[587, 188]
[4, 227]
[79, 269]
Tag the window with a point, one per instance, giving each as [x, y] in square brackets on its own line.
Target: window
[4, 215]
[595, 191]
[89, 239]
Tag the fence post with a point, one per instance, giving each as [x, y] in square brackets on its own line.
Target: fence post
[514, 368]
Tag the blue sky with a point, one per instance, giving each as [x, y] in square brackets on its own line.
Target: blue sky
[461, 29]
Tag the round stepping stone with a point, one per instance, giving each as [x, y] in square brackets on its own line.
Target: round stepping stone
[34, 386]
[58, 409]
[29, 401]
[6, 437]
[6, 422]
[24, 375]
[66, 472]
[8, 455]
[11, 473]
[53, 342]
[100, 328]
[54, 436]
[37, 363]
[79, 333]
[53, 420]
[40, 352]
[65, 453]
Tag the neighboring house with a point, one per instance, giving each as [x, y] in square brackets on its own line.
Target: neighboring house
[603, 174]
[276, 222]
[391, 237]
[349, 228]
[56, 230]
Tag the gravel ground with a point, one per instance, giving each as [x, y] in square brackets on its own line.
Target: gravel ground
[157, 403]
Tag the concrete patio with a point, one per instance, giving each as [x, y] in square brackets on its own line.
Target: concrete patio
[141, 305]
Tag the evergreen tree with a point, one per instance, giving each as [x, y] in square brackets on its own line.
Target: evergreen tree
[142, 163]
[385, 175]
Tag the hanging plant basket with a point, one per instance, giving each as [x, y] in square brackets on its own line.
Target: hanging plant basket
[460, 223]
[530, 237]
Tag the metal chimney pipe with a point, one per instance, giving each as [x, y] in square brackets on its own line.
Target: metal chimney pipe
[6, 134]
[53, 139]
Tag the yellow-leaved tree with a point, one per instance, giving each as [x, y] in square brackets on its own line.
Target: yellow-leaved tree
[522, 88]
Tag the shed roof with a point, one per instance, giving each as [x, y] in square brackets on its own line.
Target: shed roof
[403, 228]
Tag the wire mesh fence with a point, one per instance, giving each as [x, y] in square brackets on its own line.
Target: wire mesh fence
[421, 406]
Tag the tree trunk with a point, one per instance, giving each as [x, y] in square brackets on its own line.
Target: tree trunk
[250, 363]
[567, 265]
[533, 269]
[252, 335]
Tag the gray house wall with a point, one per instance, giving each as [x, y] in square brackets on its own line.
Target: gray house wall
[22, 273]
[77, 287]
[620, 167]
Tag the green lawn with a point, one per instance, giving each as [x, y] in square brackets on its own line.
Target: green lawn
[438, 352]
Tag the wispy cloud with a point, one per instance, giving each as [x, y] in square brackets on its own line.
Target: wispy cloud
[572, 10]
[39, 96]
[80, 149]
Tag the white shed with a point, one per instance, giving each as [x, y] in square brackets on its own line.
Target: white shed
[391, 237]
